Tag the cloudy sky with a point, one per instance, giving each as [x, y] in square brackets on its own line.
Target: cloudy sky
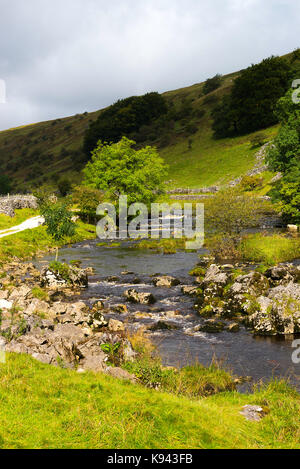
[62, 57]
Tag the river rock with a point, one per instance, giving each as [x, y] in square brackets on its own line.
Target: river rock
[253, 284]
[277, 314]
[97, 321]
[37, 307]
[20, 294]
[139, 297]
[94, 363]
[166, 281]
[74, 277]
[163, 326]
[4, 294]
[189, 290]
[4, 304]
[119, 373]
[119, 309]
[116, 326]
[235, 327]
[212, 326]
[283, 274]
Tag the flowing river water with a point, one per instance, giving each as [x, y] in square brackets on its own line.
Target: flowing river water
[119, 268]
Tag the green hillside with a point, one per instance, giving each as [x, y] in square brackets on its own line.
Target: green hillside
[41, 153]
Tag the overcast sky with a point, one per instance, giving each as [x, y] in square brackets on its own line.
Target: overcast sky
[62, 57]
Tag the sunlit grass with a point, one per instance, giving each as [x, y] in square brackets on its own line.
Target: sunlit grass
[22, 215]
[47, 407]
[28, 243]
[269, 249]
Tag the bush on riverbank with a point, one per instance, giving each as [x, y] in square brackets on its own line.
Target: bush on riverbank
[49, 407]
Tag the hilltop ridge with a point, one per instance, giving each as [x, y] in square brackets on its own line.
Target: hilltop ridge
[44, 152]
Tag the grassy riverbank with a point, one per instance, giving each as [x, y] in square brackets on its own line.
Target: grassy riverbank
[47, 407]
[269, 249]
[33, 242]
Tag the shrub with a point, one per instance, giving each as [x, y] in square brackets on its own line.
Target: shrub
[212, 84]
[258, 140]
[249, 183]
[87, 200]
[64, 186]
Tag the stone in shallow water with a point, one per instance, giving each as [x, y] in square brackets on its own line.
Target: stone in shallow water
[166, 281]
[189, 290]
[119, 309]
[162, 326]
[211, 326]
[143, 298]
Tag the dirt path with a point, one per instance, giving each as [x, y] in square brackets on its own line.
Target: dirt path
[29, 224]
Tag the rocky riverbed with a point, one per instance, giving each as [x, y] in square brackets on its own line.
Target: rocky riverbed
[210, 314]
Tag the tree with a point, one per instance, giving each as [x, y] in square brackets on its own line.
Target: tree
[231, 212]
[118, 169]
[64, 186]
[58, 219]
[87, 200]
[284, 156]
[5, 184]
[228, 214]
[123, 118]
[288, 194]
[251, 104]
[212, 84]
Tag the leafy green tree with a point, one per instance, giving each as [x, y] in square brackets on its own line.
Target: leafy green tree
[58, 219]
[288, 193]
[5, 184]
[64, 186]
[251, 104]
[87, 200]
[212, 84]
[284, 156]
[231, 212]
[228, 214]
[124, 118]
[119, 169]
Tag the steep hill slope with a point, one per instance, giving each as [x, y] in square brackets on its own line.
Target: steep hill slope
[42, 153]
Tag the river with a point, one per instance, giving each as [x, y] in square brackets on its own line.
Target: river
[242, 353]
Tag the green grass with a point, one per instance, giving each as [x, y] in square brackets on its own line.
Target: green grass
[22, 215]
[210, 161]
[47, 407]
[28, 243]
[270, 249]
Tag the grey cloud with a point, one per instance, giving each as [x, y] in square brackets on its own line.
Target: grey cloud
[63, 57]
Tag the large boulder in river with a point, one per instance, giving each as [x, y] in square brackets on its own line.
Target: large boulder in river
[253, 284]
[278, 313]
[139, 297]
[166, 281]
[210, 292]
[64, 276]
